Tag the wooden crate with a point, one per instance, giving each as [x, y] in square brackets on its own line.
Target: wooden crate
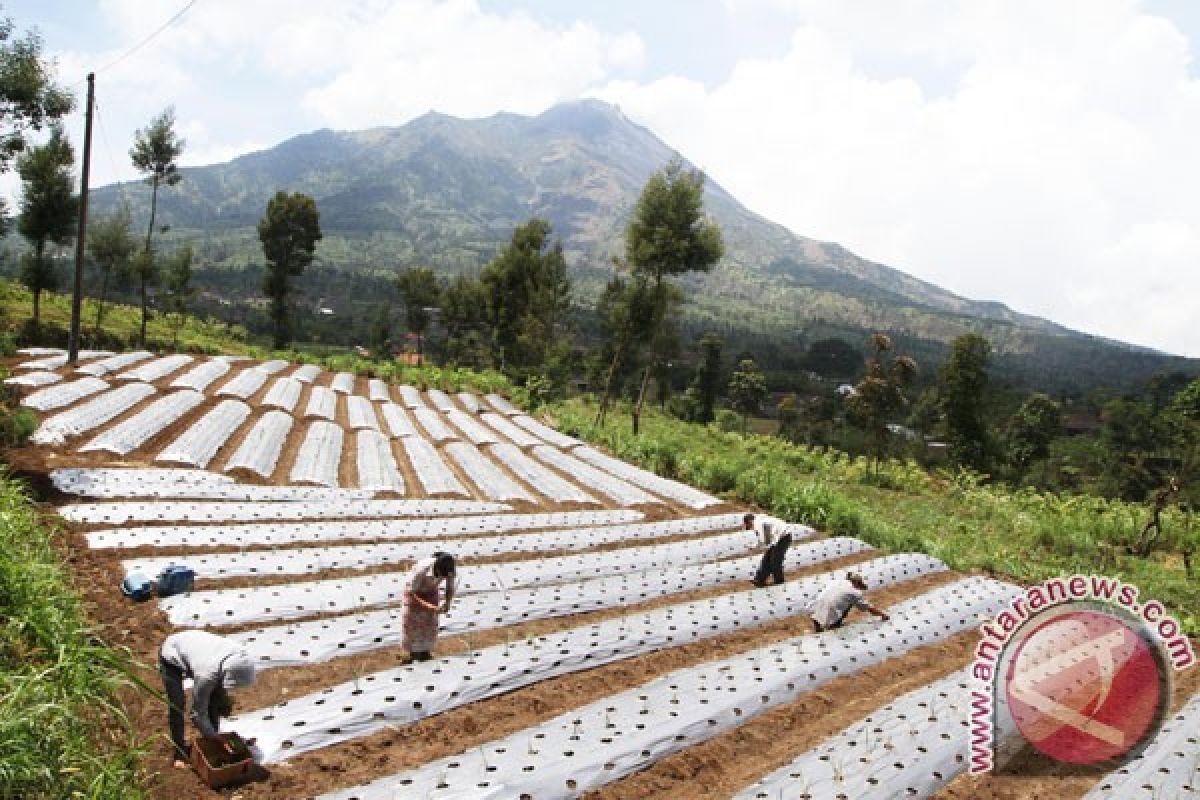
[223, 761]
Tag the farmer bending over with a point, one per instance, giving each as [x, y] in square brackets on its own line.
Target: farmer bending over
[215, 664]
[830, 607]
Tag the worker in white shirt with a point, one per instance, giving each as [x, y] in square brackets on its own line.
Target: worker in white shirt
[773, 535]
[830, 607]
[215, 664]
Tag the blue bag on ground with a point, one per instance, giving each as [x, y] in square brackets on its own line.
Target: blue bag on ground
[175, 579]
[137, 587]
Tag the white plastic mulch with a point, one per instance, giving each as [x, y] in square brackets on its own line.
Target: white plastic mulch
[599, 743]
[434, 425]
[64, 394]
[260, 450]
[117, 513]
[617, 525]
[672, 490]
[552, 583]
[543, 479]
[243, 384]
[322, 403]
[201, 376]
[91, 415]
[397, 420]
[284, 393]
[320, 455]
[312, 560]
[432, 473]
[619, 491]
[125, 437]
[475, 432]
[157, 369]
[199, 444]
[377, 470]
[360, 413]
[492, 482]
[34, 379]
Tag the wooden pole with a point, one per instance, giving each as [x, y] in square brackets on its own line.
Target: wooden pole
[81, 237]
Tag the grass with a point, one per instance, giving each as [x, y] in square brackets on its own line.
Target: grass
[121, 325]
[1025, 535]
[62, 732]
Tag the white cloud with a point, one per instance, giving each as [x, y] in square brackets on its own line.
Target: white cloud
[455, 58]
[1050, 168]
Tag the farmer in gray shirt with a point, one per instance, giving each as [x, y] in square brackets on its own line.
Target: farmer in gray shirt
[830, 607]
[215, 664]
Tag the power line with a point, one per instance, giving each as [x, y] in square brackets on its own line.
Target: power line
[112, 162]
[178, 15]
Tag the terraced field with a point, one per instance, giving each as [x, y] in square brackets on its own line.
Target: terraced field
[606, 640]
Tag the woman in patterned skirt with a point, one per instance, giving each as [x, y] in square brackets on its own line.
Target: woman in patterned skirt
[422, 604]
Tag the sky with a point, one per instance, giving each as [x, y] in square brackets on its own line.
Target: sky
[1039, 153]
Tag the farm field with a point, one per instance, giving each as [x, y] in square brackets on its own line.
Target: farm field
[606, 640]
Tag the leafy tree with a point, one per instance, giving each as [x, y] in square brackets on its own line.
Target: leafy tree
[708, 376]
[833, 358]
[29, 98]
[747, 390]
[49, 211]
[789, 419]
[381, 331]
[178, 281]
[289, 232]
[962, 381]
[155, 153]
[668, 235]
[1031, 429]
[420, 289]
[528, 294]
[464, 318]
[626, 312]
[879, 397]
[110, 242]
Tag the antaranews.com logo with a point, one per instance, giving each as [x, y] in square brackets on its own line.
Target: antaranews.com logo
[1079, 668]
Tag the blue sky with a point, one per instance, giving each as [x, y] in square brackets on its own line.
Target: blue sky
[1037, 153]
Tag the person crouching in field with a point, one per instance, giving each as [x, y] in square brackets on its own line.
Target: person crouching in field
[215, 664]
[772, 535]
[830, 607]
[422, 604]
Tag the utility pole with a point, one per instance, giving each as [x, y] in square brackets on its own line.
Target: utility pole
[81, 238]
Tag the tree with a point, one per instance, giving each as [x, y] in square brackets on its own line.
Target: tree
[747, 390]
[464, 318]
[420, 289]
[110, 242]
[29, 98]
[528, 295]
[626, 312]
[289, 232]
[179, 286]
[1031, 429]
[962, 381]
[668, 235]
[155, 154]
[381, 331]
[879, 397]
[708, 376]
[49, 211]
